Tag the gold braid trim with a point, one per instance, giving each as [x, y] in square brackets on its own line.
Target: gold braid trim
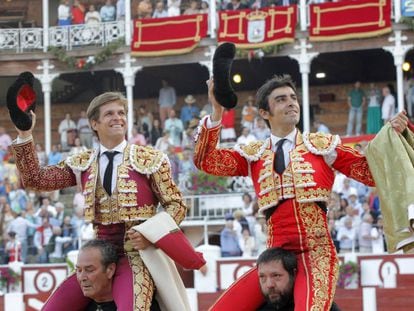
[146, 160]
[82, 161]
[317, 239]
[320, 143]
[168, 193]
[143, 285]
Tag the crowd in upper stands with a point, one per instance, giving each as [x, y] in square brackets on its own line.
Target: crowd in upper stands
[76, 12]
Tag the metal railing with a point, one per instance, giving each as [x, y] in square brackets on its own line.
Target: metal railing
[69, 37]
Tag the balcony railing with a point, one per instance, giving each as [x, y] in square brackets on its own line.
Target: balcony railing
[69, 37]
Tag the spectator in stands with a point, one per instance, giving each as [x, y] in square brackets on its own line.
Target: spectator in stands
[356, 103]
[55, 156]
[64, 13]
[70, 232]
[5, 142]
[65, 129]
[20, 226]
[228, 132]
[41, 154]
[347, 236]
[388, 104]
[249, 113]
[46, 209]
[260, 130]
[364, 234]
[229, 241]
[77, 223]
[95, 269]
[260, 233]
[320, 127]
[192, 9]
[120, 10]
[84, 130]
[13, 248]
[60, 214]
[350, 214]
[166, 100]
[41, 240]
[258, 4]
[374, 110]
[236, 5]
[144, 9]
[189, 111]
[108, 12]
[175, 127]
[156, 131]
[55, 245]
[145, 120]
[164, 142]
[29, 215]
[78, 13]
[247, 244]
[92, 17]
[204, 7]
[160, 10]
[137, 138]
[378, 239]
[18, 197]
[186, 166]
[77, 147]
[245, 137]
[173, 7]
[353, 201]
[188, 135]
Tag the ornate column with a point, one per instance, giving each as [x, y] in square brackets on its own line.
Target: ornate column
[304, 59]
[46, 79]
[45, 21]
[398, 51]
[212, 19]
[302, 14]
[128, 73]
[128, 22]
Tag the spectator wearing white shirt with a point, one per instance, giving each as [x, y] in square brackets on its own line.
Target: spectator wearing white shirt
[388, 104]
[364, 234]
[346, 236]
[108, 12]
[246, 137]
[64, 13]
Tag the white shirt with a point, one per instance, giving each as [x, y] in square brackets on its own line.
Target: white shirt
[103, 162]
[388, 107]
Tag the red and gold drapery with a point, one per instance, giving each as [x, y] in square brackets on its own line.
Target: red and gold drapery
[258, 28]
[168, 36]
[349, 19]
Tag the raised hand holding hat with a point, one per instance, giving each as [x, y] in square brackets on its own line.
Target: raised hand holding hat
[222, 61]
[21, 100]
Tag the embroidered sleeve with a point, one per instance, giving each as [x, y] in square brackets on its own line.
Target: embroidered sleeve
[48, 178]
[216, 161]
[353, 164]
[168, 193]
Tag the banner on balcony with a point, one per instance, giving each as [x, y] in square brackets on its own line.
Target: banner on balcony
[169, 35]
[349, 19]
[249, 29]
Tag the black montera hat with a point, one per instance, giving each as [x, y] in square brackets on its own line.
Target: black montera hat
[222, 61]
[21, 99]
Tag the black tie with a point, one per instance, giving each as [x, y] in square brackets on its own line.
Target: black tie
[108, 171]
[279, 163]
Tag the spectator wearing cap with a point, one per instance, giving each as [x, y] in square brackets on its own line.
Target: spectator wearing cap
[229, 240]
[189, 111]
